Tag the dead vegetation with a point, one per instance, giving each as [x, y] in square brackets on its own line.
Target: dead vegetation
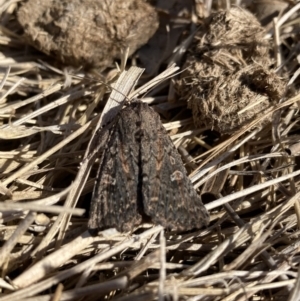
[248, 175]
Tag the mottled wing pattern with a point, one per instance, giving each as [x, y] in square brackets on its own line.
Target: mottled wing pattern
[169, 197]
[141, 176]
[117, 194]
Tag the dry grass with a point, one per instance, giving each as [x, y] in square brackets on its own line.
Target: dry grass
[249, 181]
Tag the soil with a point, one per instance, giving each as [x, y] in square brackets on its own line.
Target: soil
[229, 79]
[86, 32]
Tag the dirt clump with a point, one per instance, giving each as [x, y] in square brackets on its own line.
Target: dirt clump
[228, 80]
[87, 32]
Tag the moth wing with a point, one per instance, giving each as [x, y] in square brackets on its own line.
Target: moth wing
[115, 196]
[169, 197]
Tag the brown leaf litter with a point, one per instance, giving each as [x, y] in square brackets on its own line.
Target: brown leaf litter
[48, 118]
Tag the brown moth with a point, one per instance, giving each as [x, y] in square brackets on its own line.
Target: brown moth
[141, 177]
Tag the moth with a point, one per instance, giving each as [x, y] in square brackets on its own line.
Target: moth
[141, 177]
